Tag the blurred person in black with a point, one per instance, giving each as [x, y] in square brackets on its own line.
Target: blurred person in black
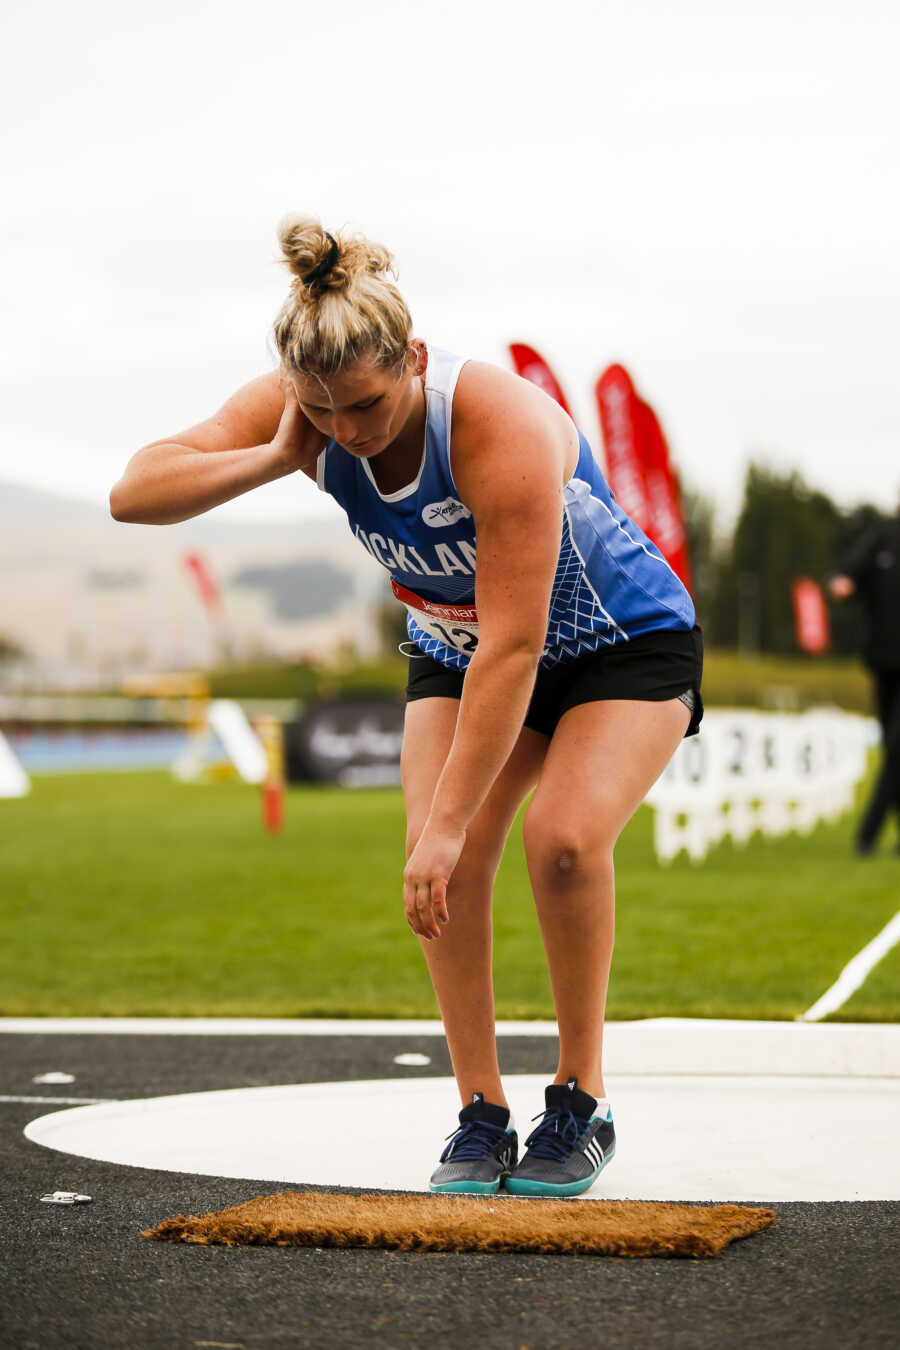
[871, 573]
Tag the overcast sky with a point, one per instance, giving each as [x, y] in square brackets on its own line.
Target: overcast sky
[706, 193]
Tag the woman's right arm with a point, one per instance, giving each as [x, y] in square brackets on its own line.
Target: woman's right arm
[259, 435]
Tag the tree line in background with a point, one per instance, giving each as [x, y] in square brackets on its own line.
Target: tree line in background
[785, 529]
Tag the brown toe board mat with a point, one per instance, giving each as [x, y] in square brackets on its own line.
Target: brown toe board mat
[468, 1223]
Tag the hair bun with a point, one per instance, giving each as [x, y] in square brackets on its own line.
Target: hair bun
[341, 304]
[326, 266]
[312, 254]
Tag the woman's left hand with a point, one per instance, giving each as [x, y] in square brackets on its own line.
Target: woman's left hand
[425, 879]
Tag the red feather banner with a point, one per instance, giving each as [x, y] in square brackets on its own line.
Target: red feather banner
[532, 366]
[203, 579]
[811, 625]
[639, 467]
[663, 496]
[617, 405]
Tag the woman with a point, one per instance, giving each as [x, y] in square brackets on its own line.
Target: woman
[567, 661]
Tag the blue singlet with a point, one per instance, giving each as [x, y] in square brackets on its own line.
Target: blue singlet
[611, 583]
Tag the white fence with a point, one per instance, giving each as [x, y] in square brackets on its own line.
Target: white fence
[14, 781]
[749, 771]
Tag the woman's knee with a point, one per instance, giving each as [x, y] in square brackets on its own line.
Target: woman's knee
[561, 844]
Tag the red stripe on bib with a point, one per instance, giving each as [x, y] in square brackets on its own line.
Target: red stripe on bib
[455, 613]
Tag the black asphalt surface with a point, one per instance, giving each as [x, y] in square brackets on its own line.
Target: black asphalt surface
[825, 1275]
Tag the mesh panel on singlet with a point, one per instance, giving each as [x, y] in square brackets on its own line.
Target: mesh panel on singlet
[577, 622]
[433, 647]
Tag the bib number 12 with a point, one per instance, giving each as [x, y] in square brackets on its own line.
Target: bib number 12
[460, 638]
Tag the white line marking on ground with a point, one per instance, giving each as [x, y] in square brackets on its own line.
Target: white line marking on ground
[854, 973]
[247, 1026]
[60, 1101]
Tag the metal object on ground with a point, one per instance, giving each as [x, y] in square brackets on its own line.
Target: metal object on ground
[54, 1078]
[65, 1198]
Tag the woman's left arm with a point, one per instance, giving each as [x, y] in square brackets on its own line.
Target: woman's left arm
[511, 447]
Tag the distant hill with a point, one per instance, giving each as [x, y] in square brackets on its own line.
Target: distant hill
[86, 595]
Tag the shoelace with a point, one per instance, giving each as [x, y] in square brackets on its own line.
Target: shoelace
[471, 1140]
[556, 1135]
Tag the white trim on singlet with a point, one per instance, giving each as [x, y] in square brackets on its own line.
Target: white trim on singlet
[401, 492]
[619, 526]
[320, 470]
[447, 396]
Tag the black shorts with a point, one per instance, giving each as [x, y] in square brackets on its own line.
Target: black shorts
[654, 667]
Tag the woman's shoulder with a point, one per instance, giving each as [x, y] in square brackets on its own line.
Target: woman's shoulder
[482, 384]
[486, 394]
[502, 422]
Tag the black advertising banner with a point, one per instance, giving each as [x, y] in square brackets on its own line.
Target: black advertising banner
[354, 742]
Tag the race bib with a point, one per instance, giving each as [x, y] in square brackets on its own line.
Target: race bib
[454, 625]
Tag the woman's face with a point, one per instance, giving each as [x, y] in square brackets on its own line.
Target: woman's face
[363, 408]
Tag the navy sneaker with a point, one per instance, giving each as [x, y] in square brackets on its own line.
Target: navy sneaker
[481, 1152]
[569, 1149]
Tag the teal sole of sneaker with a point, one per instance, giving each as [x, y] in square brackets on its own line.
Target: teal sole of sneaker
[522, 1186]
[466, 1188]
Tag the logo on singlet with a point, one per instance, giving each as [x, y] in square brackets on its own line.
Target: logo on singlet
[446, 512]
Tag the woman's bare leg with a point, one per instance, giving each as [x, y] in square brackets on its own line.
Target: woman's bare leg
[460, 960]
[602, 761]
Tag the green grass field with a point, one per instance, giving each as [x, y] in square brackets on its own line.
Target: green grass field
[131, 894]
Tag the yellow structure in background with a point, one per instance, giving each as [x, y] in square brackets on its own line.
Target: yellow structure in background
[175, 684]
[270, 732]
[188, 696]
[254, 753]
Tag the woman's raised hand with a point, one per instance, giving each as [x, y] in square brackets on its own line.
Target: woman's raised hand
[296, 442]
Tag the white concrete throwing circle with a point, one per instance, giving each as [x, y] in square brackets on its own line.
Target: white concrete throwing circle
[680, 1137]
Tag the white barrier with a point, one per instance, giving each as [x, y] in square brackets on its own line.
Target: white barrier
[14, 781]
[226, 720]
[749, 771]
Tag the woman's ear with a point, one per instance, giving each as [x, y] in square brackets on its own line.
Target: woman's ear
[420, 354]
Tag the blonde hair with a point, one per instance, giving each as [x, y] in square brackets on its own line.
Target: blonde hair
[346, 311]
